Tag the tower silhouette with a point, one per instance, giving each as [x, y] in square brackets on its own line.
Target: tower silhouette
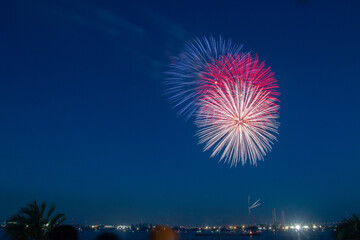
[282, 219]
[274, 217]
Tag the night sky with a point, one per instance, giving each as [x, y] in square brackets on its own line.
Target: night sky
[85, 124]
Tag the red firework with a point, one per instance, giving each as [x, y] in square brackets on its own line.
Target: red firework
[239, 69]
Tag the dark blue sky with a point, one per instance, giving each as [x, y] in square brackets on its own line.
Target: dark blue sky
[85, 124]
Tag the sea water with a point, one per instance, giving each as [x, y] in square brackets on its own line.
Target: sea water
[265, 235]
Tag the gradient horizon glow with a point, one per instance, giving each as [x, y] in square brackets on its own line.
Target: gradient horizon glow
[85, 123]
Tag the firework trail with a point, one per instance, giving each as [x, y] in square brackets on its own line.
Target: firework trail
[233, 97]
[254, 205]
[184, 75]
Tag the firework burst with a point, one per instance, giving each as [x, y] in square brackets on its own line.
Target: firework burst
[232, 95]
[238, 109]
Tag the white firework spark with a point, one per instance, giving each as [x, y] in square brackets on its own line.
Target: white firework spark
[254, 205]
[238, 119]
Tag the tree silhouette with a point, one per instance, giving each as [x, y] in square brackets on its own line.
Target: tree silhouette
[32, 222]
[348, 229]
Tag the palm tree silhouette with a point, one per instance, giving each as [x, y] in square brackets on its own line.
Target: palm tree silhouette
[31, 222]
[348, 229]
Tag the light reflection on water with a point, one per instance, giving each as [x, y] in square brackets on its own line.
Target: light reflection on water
[265, 235]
